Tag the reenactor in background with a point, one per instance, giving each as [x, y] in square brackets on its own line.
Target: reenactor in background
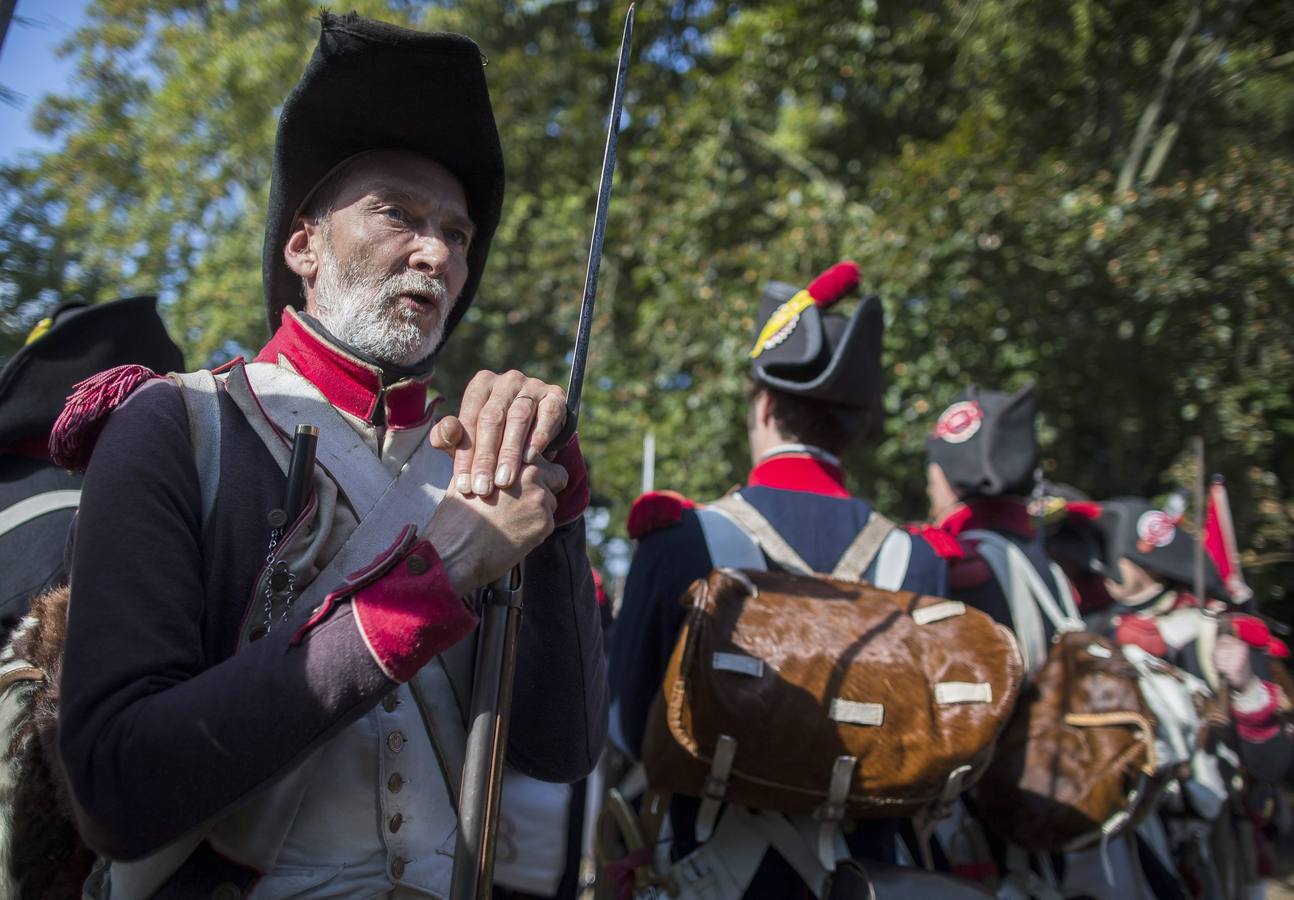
[1149, 558]
[815, 392]
[981, 463]
[37, 497]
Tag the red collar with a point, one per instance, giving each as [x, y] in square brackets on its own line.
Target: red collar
[349, 383]
[799, 472]
[996, 513]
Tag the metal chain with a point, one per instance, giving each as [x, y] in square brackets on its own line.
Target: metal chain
[274, 568]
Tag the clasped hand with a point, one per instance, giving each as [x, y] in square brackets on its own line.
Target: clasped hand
[503, 493]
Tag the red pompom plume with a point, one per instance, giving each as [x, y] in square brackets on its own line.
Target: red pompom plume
[78, 426]
[656, 510]
[838, 281]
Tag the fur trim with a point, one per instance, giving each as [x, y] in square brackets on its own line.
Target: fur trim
[41, 854]
[72, 440]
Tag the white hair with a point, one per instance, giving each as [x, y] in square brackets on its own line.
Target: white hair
[365, 310]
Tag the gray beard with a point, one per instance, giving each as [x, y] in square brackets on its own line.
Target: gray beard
[366, 312]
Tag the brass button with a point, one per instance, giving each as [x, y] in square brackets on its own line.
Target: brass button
[396, 821]
[395, 782]
[395, 741]
[390, 702]
[416, 565]
[397, 868]
[226, 891]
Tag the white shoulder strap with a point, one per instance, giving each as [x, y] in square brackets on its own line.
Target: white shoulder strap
[202, 402]
[1027, 595]
[728, 545]
[759, 529]
[892, 561]
[35, 506]
[863, 549]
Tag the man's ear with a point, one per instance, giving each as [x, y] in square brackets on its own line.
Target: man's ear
[301, 251]
[764, 409]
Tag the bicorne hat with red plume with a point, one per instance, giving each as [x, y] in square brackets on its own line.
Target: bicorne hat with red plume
[804, 348]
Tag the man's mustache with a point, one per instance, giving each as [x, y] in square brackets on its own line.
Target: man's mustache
[431, 286]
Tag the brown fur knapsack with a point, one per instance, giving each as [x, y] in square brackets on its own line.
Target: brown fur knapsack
[41, 854]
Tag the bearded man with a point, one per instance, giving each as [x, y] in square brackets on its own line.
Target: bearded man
[260, 701]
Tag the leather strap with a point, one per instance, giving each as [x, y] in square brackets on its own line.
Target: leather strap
[763, 533]
[35, 506]
[728, 546]
[17, 672]
[202, 402]
[716, 786]
[832, 811]
[863, 548]
[1027, 596]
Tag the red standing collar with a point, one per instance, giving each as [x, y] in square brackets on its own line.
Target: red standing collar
[994, 513]
[799, 471]
[349, 383]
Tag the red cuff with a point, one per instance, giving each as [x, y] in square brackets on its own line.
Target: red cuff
[1260, 724]
[405, 608]
[574, 498]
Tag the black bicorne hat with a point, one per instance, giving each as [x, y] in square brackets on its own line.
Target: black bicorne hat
[374, 86]
[802, 349]
[1154, 539]
[79, 341]
[986, 442]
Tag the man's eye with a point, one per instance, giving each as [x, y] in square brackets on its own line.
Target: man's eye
[395, 214]
[456, 236]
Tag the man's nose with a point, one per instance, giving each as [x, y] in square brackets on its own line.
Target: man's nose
[430, 254]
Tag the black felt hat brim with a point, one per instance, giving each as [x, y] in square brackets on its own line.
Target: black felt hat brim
[82, 342]
[374, 86]
[827, 357]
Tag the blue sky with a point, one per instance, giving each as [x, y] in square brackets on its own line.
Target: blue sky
[30, 67]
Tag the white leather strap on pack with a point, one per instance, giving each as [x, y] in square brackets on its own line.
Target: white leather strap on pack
[952, 692]
[35, 506]
[863, 548]
[738, 663]
[855, 712]
[937, 612]
[716, 786]
[202, 402]
[763, 533]
[832, 811]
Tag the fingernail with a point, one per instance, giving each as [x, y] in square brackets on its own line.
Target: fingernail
[481, 484]
[503, 477]
[463, 483]
[531, 453]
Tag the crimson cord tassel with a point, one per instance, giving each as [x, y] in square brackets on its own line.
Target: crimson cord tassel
[72, 440]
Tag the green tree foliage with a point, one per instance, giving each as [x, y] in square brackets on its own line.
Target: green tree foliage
[1094, 195]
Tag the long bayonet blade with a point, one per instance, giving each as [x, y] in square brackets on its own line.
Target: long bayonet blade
[575, 386]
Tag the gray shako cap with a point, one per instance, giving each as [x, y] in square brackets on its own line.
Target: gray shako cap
[828, 357]
[375, 86]
[986, 442]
